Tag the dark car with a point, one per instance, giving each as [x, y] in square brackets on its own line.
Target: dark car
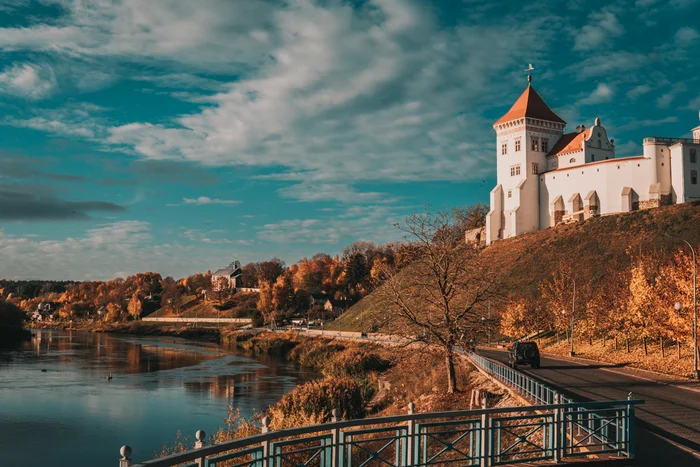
[524, 353]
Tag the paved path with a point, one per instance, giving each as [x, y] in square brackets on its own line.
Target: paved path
[671, 408]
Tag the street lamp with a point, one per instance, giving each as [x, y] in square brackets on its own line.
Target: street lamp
[573, 308]
[696, 372]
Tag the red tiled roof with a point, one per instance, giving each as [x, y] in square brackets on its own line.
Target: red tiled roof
[570, 142]
[531, 105]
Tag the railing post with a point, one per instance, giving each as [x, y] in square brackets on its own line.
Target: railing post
[125, 452]
[266, 444]
[630, 428]
[557, 430]
[485, 434]
[335, 446]
[411, 437]
[199, 436]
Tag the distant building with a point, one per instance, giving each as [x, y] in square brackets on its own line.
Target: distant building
[337, 305]
[546, 176]
[227, 278]
[318, 299]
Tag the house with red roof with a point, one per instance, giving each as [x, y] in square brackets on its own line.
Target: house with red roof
[546, 176]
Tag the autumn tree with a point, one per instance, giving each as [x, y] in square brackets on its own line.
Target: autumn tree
[443, 294]
[266, 304]
[135, 307]
[269, 271]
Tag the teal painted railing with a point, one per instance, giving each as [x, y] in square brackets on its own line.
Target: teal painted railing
[485, 437]
[581, 425]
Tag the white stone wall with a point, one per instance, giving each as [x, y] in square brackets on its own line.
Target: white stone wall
[681, 168]
[696, 133]
[598, 146]
[606, 178]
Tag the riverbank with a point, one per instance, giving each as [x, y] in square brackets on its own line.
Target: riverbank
[138, 328]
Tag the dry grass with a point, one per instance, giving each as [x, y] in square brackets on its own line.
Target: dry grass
[669, 364]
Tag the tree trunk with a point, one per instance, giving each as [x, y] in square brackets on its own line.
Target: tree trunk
[451, 375]
[644, 343]
[661, 344]
[590, 340]
[627, 341]
[678, 345]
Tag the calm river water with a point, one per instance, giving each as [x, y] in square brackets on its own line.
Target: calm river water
[71, 415]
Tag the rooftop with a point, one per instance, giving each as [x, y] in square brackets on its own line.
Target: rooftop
[530, 105]
[570, 142]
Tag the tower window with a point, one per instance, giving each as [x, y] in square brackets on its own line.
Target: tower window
[572, 160]
[592, 157]
[693, 177]
[535, 143]
[514, 170]
[545, 145]
[535, 169]
[517, 145]
[504, 148]
[693, 156]
[510, 193]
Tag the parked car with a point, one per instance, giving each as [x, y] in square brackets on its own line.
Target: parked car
[524, 353]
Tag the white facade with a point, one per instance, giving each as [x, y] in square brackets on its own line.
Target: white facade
[546, 176]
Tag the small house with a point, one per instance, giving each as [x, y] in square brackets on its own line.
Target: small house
[227, 278]
[337, 306]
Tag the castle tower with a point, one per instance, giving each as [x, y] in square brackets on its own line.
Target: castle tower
[524, 135]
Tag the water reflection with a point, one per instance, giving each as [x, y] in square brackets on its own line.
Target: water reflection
[54, 394]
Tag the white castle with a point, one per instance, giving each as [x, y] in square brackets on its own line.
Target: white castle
[546, 176]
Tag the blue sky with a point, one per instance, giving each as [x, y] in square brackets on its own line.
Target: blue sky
[177, 135]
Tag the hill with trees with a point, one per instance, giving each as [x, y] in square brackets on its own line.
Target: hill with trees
[628, 276]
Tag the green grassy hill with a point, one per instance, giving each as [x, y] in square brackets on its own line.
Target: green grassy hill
[596, 249]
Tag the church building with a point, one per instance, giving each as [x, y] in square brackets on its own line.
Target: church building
[546, 176]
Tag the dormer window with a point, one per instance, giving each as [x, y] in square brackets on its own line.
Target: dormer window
[504, 148]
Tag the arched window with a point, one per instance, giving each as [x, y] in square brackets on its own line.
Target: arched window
[694, 177]
[572, 160]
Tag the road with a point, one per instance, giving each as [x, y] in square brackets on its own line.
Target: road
[668, 422]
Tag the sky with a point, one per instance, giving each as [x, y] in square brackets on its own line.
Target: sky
[177, 135]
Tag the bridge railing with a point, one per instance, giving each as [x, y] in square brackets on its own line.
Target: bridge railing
[484, 437]
[583, 426]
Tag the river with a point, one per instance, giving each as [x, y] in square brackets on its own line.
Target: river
[57, 407]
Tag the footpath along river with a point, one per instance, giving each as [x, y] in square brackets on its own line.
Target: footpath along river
[58, 408]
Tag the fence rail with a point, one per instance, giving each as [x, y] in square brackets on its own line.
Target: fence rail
[484, 437]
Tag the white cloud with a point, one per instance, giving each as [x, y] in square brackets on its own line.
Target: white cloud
[638, 91]
[602, 27]
[28, 81]
[634, 124]
[208, 200]
[374, 223]
[325, 192]
[664, 101]
[686, 36]
[602, 93]
[200, 236]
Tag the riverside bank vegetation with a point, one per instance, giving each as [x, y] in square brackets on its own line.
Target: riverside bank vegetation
[358, 379]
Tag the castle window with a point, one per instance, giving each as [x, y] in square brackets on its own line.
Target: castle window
[535, 143]
[504, 148]
[535, 169]
[572, 160]
[545, 145]
[514, 170]
[510, 193]
[592, 157]
[694, 177]
[693, 156]
[517, 145]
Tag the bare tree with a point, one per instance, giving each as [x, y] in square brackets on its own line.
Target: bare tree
[441, 296]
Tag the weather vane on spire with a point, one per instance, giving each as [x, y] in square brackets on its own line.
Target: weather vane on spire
[529, 69]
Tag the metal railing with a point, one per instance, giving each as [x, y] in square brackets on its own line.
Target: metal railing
[485, 437]
[583, 425]
[665, 139]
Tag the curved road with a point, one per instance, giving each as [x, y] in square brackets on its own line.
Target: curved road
[668, 422]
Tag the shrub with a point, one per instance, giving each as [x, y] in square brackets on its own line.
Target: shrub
[11, 316]
[313, 402]
[355, 362]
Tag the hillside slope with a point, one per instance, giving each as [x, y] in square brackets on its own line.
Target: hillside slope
[596, 249]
